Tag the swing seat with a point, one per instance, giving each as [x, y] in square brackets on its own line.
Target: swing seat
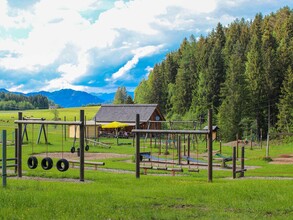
[224, 158]
[159, 168]
[146, 167]
[175, 169]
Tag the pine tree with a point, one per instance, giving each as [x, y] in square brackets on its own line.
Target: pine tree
[285, 106]
[120, 96]
[234, 97]
[129, 100]
[254, 73]
[141, 93]
[185, 80]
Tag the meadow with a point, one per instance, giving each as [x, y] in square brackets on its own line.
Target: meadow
[113, 192]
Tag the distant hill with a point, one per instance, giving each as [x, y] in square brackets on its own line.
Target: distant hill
[4, 90]
[70, 98]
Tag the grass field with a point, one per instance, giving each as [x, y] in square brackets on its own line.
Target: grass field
[113, 192]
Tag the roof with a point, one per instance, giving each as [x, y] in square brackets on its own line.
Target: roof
[215, 128]
[127, 112]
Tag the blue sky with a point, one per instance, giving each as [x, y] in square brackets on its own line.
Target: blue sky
[98, 45]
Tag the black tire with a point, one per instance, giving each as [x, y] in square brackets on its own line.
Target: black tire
[62, 165]
[72, 150]
[32, 162]
[47, 163]
[87, 147]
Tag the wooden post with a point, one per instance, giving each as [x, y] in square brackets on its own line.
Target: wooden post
[242, 161]
[19, 147]
[237, 145]
[220, 146]
[179, 150]
[184, 146]
[95, 127]
[81, 146]
[137, 142]
[65, 129]
[151, 140]
[15, 148]
[250, 139]
[210, 146]
[188, 149]
[160, 144]
[4, 175]
[234, 162]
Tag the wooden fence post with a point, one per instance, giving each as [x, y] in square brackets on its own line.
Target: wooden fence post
[137, 142]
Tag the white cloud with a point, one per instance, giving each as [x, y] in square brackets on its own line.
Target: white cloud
[13, 18]
[138, 53]
[148, 69]
[57, 23]
[114, 36]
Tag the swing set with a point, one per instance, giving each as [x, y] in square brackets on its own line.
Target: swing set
[47, 163]
[148, 155]
[42, 130]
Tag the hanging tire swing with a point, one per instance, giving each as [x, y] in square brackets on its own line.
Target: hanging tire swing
[87, 147]
[32, 162]
[72, 150]
[47, 163]
[62, 165]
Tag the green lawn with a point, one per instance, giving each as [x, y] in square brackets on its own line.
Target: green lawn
[266, 192]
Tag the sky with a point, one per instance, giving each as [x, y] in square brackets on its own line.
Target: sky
[97, 46]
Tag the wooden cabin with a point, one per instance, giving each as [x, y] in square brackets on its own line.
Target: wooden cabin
[124, 113]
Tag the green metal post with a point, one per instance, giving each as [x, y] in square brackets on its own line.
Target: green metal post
[19, 147]
[4, 175]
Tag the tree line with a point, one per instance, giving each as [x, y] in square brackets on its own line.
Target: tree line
[122, 97]
[242, 71]
[11, 101]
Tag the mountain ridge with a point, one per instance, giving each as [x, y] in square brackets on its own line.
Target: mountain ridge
[66, 97]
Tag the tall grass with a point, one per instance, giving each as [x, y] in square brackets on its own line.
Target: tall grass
[121, 196]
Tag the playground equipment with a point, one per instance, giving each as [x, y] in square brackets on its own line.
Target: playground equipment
[223, 159]
[163, 163]
[32, 161]
[207, 132]
[62, 164]
[234, 159]
[46, 162]
[42, 129]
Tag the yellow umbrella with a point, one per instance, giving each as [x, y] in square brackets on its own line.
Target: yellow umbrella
[115, 124]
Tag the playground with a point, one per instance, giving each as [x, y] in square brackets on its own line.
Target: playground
[264, 191]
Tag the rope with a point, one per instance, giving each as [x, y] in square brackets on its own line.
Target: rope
[47, 144]
[62, 142]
